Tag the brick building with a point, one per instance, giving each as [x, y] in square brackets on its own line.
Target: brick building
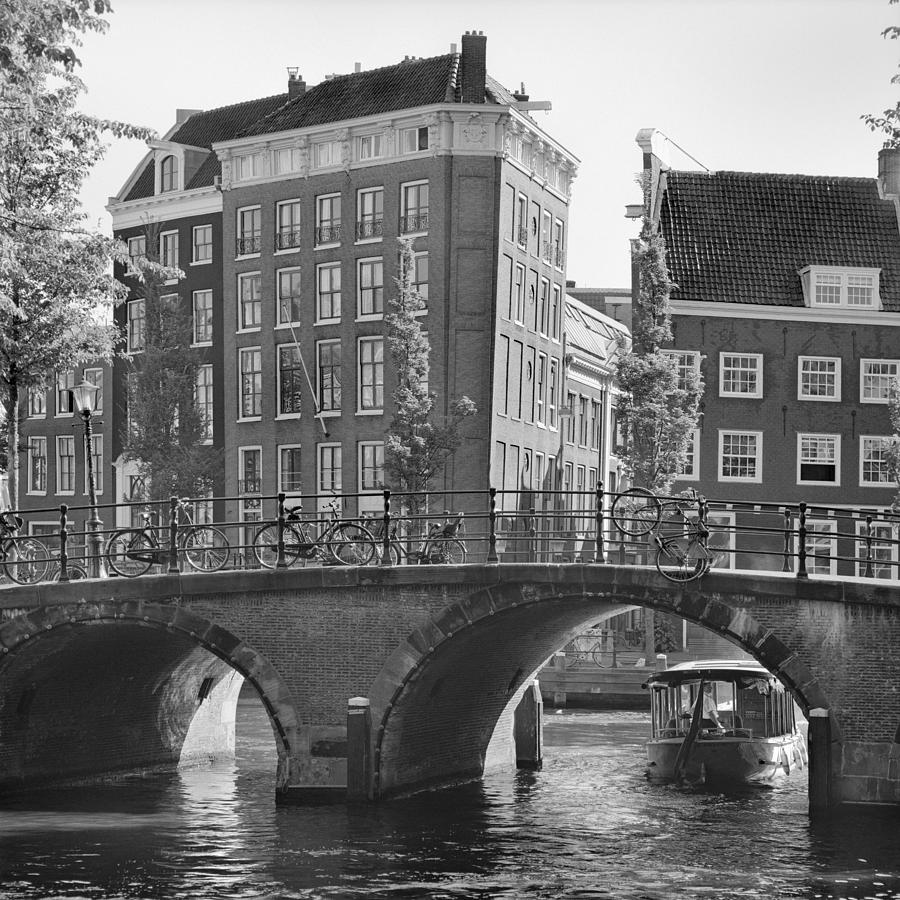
[788, 302]
[284, 214]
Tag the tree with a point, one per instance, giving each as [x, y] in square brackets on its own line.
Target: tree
[888, 122]
[166, 428]
[417, 448]
[660, 406]
[56, 286]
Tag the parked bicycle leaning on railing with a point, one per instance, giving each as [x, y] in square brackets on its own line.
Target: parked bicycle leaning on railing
[442, 544]
[25, 559]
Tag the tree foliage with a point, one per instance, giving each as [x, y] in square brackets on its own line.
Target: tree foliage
[165, 429]
[417, 448]
[888, 122]
[56, 286]
[659, 411]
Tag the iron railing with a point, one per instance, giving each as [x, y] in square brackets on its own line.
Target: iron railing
[247, 244]
[328, 234]
[504, 526]
[287, 240]
[413, 223]
[371, 228]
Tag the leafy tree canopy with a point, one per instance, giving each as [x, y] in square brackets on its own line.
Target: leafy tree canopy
[888, 122]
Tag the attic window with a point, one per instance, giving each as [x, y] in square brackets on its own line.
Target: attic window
[831, 287]
[168, 174]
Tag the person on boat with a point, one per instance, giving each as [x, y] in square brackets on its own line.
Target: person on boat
[710, 710]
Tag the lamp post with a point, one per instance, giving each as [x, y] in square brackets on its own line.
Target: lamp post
[84, 397]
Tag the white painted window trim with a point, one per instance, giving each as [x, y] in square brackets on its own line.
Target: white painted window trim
[403, 210]
[194, 341]
[279, 414]
[98, 470]
[721, 522]
[201, 262]
[694, 475]
[808, 280]
[328, 320]
[328, 413]
[241, 328]
[836, 438]
[862, 367]
[360, 316]
[98, 409]
[888, 562]
[371, 339]
[837, 379]
[829, 527]
[162, 236]
[887, 438]
[278, 298]
[377, 492]
[758, 358]
[759, 456]
[278, 449]
[61, 438]
[323, 497]
[39, 440]
[240, 395]
[318, 224]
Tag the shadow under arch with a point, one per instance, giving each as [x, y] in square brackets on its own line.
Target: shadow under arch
[439, 698]
[60, 640]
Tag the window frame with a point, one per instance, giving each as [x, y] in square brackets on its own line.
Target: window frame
[204, 404]
[279, 350]
[862, 379]
[69, 440]
[882, 542]
[811, 274]
[95, 372]
[834, 398]
[374, 364]
[758, 457]
[415, 130]
[201, 260]
[254, 416]
[96, 441]
[248, 247]
[292, 245]
[334, 410]
[35, 441]
[885, 440]
[835, 440]
[328, 235]
[169, 246]
[243, 304]
[321, 490]
[169, 170]
[37, 402]
[422, 219]
[370, 221]
[816, 533]
[295, 317]
[331, 267]
[64, 381]
[376, 290]
[361, 447]
[208, 322]
[757, 394]
[692, 474]
[292, 491]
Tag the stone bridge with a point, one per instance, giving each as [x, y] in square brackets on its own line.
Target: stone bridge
[111, 675]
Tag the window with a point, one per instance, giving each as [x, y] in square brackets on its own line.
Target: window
[202, 244]
[97, 463]
[831, 287]
[689, 470]
[287, 225]
[874, 461]
[370, 287]
[249, 230]
[740, 456]
[287, 159]
[168, 249]
[570, 417]
[371, 373]
[818, 459]
[326, 153]
[539, 389]
[330, 478]
[289, 300]
[551, 393]
[203, 399]
[412, 140]
[250, 383]
[65, 464]
[37, 403]
[546, 246]
[687, 361]
[371, 465]
[419, 281]
[64, 381]
[875, 379]
[369, 146]
[583, 423]
[542, 314]
[328, 292]
[522, 221]
[876, 548]
[819, 378]
[369, 213]
[559, 247]
[414, 207]
[248, 165]
[137, 247]
[555, 312]
[328, 219]
[290, 380]
[519, 314]
[249, 482]
[203, 317]
[595, 425]
[95, 377]
[328, 354]
[168, 174]
[289, 479]
[249, 301]
[821, 547]
[37, 465]
[741, 375]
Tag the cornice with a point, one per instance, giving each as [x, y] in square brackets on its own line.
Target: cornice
[718, 309]
[165, 207]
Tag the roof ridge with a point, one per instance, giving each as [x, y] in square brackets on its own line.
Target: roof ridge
[780, 175]
[403, 62]
[216, 109]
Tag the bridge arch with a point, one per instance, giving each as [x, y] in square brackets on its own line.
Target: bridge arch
[454, 683]
[88, 689]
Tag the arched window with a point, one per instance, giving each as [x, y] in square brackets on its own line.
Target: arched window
[168, 172]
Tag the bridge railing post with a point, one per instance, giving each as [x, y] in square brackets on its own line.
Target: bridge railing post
[173, 535]
[702, 513]
[870, 571]
[63, 542]
[801, 543]
[386, 539]
[599, 552]
[492, 527]
[281, 561]
[532, 535]
[788, 533]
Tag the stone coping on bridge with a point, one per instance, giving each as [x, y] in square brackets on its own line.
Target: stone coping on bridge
[594, 578]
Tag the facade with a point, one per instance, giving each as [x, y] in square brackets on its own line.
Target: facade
[788, 303]
[284, 214]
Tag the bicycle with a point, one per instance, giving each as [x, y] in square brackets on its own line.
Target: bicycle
[341, 542]
[25, 559]
[609, 651]
[441, 546]
[681, 557]
[132, 551]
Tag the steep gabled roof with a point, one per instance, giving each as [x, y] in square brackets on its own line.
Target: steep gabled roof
[741, 237]
[405, 85]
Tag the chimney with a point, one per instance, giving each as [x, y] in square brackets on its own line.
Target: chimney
[182, 115]
[473, 66]
[520, 95]
[296, 86]
[889, 171]
[357, 68]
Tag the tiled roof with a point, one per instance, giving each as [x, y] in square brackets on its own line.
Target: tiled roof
[143, 187]
[203, 177]
[741, 237]
[414, 82]
[203, 129]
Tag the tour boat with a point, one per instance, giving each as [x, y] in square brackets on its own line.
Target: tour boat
[720, 721]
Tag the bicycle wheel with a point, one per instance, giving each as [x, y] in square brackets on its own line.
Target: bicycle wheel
[682, 558]
[27, 561]
[636, 512]
[446, 552]
[76, 573]
[206, 548]
[130, 552]
[265, 546]
[597, 652]
[352, 545]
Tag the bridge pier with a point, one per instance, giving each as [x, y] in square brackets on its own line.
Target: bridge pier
[528, 728]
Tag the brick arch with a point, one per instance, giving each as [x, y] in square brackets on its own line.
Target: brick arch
[26, 632]
[412, 725]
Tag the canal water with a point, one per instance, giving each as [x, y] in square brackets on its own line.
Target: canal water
[587, 825]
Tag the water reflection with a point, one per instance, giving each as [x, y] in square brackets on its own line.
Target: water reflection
[587, 825]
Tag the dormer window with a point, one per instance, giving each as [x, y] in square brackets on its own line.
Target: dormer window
[168, 174]
[832, 287]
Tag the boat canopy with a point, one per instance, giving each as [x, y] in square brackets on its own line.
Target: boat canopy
[744, 675]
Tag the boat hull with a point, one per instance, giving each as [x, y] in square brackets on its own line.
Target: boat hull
[725, 759]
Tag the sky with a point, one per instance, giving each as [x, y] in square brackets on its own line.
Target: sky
[740, 85]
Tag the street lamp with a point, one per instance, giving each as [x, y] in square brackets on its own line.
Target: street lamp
[84, 397]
